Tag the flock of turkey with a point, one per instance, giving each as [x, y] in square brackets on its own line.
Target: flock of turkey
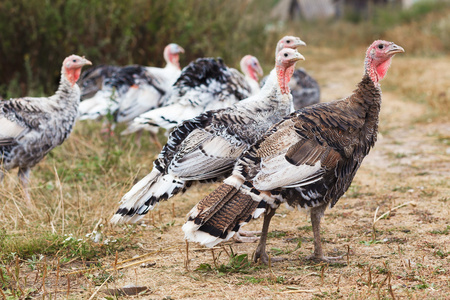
[271, 144]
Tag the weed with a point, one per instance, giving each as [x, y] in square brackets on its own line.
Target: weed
[421, 286]
[34, 260]
[400, 155]
[276, 234]
[402, 189]
[353, 191]
[67, 246]
[239, 263]
[445, 231]
[383, 270]
[278, 251]
[204, 267]
[439, 253]
[252, 280]
[305, 228]
[100, 278]
[371, 242]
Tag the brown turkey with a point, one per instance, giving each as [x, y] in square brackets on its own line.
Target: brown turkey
[206, 147]
[31, 127]
[308, 161]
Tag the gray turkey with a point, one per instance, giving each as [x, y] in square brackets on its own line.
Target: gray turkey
[205, 84]
[206, 148]
[304, 89]
[32, 127]
[132, 89]
[308, 160]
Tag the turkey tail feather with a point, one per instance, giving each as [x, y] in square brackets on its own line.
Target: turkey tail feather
[220, 215]
[144, 195]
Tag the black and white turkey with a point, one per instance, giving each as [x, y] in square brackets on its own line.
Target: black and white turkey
[308, 160]
[32, 127]
[128, 91]
[206, 147]
[205, 84]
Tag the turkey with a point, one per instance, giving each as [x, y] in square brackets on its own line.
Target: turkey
[32, 127]
[308, 160]
[203, 85]
[304, 89]
[91, 80]
[129, 91]
[206, 148]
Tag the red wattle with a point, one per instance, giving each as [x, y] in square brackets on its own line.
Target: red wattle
[251, 73]
[72, 75]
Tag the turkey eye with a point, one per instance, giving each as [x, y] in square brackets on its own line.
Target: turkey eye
[285, 55]
[74, 60]
[381, 46]
[288, 41]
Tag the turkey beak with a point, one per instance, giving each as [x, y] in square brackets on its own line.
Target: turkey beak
[180, 49]
[394, 49]
[298, 57]
[259, 71]
[299, 42]
[86, 62]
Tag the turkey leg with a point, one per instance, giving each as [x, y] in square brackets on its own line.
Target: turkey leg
[261, 248]
[24, 178]
[316, 216]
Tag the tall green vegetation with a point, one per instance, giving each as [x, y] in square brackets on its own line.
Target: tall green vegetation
[37, 34]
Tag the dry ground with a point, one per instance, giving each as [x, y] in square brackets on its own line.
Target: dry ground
[407, 257]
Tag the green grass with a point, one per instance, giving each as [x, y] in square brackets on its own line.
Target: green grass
[445, 231]
[66, 247]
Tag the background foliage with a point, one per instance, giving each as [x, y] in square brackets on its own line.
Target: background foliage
[36, 35]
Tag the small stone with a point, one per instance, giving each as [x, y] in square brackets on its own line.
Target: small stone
[148, 265]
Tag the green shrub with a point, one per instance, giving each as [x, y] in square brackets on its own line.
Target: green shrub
[37, 35]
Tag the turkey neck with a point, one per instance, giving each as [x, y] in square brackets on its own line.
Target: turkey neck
[66, 99]
[368, 97]
[173, 60]
[252, 73]
[284, 75]
[376, 70]
[68, 89]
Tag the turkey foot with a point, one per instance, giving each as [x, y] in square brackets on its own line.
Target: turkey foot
[249, 233]
[262, 256]
[239, 237]
[245, 236]
[328, 259]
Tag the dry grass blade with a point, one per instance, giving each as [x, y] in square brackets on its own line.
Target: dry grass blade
[299, 291]
[127, 291]
[375, 219]
[96, 291]
[116, 267]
